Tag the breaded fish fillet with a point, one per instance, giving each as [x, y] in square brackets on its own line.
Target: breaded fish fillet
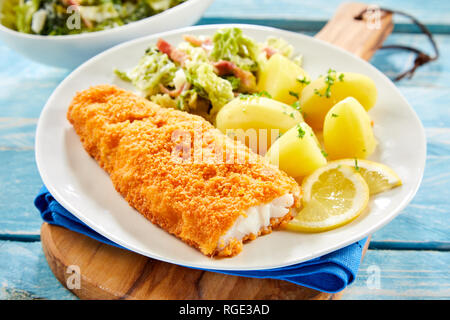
[214, 202]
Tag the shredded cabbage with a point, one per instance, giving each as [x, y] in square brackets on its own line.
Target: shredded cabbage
[99, 13]
[199, 82]
[280, 45]
[209, 85]
[230, 44]
[8, 13]
[195, 54]
[154, 68]
[96, 14]
[24, 14]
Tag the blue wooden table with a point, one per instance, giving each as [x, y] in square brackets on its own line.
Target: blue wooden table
[407, 259]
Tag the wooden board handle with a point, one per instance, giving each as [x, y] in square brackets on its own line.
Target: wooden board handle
[360, 37]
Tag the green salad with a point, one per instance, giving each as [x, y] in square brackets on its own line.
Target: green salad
[64, 17]
[202, 74]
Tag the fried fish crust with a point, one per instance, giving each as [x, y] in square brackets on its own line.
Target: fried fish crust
[153, 158]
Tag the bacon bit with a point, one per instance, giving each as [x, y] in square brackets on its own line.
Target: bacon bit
[247, 79]
[269, 51]
[206, 44]
[174, 54]
[176, 92]
[71, 2]
[87, 22]
[196, 41]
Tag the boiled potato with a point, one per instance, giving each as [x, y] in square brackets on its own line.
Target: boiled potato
[283, 79]
[347, 131]
[316, 100]
[297, 152]
[265, 116]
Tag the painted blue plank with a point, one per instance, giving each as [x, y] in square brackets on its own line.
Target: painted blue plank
[25, 274]
[19, 183]
[312, 15]
[386, 274]
[17, 133]
[435, 74]
[25, 85]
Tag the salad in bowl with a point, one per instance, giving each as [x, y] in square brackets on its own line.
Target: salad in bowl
[65, 33]
[63, 17]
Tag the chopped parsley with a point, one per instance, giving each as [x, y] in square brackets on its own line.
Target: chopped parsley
[235, 82]
[264, 93]
[304, 81]
[301, 132]
[330, 79]
[294, 94]
[296, 106]
[356, 165]
[324, 153]
[179, 105]
[334, 115]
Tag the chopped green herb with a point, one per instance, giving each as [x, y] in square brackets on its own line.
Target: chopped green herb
[235, 82]
[294, 94]
[334, 115]
[244, 96]
[301, 132]
[356, 165]
[330, 78]
[296, 105]
[324, 153]
[304, 81]
[291, 115]
[179, 105]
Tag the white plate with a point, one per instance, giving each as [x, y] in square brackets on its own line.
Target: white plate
[83, 188]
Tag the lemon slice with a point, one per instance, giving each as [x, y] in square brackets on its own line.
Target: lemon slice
[379, 177]
[333, 196]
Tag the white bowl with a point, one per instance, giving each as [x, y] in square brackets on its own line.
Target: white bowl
[70, 51]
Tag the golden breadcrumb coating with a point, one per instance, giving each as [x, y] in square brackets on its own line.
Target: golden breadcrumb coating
[151, 156]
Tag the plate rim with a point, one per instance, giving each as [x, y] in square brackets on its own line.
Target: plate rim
[68, 206]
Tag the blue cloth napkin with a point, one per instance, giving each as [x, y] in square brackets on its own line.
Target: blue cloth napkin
[329, 273]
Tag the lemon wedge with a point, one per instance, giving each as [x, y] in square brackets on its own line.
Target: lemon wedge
[333, 196]
[379, 177]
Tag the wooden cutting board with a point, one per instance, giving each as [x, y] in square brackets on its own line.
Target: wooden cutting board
[107, 272]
